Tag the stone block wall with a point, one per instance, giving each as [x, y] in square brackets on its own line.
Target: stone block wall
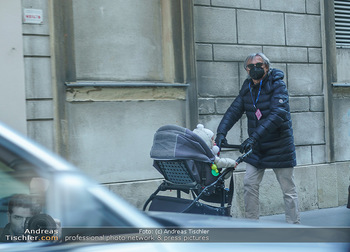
[38, 76]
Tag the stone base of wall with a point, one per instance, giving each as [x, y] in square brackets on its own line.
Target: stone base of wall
[318, 186]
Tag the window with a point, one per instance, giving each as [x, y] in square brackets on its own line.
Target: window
[342, 22]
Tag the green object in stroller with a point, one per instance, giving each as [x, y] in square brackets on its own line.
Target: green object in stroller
[184, 160]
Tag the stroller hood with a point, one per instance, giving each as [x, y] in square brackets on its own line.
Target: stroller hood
[175, 142]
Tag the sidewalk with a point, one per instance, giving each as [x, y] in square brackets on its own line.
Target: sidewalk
[327, 217]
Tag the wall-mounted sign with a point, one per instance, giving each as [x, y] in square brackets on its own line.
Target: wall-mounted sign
[32, 16]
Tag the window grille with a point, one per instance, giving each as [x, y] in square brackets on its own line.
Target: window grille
[342, 22]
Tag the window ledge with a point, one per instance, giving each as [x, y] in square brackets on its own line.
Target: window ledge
[341, 84]
[124, 91]
[112, 84]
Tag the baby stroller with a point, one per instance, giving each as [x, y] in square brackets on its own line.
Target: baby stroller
[185, 160]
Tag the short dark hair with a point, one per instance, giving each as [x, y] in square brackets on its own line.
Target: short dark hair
[20, 200]
[261, 55]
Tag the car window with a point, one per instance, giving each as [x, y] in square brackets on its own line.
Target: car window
[63, 195]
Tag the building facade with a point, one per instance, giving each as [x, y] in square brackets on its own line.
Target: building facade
[94, 79]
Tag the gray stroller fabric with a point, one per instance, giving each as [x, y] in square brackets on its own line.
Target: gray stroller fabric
[172, 142]
[175, 142]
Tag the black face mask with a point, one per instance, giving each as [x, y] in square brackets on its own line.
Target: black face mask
[256, 73]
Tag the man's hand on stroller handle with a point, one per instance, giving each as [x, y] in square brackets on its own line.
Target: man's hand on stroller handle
[247, 145]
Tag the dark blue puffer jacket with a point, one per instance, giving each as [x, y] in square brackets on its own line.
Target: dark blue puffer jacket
[273, 132]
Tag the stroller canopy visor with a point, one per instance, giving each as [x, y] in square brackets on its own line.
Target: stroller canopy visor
[174, 142]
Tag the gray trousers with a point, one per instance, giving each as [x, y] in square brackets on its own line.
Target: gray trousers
[285, 177]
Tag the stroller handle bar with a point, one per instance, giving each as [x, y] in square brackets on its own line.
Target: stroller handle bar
[231, 146]
[236, 146]
[241, 158]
